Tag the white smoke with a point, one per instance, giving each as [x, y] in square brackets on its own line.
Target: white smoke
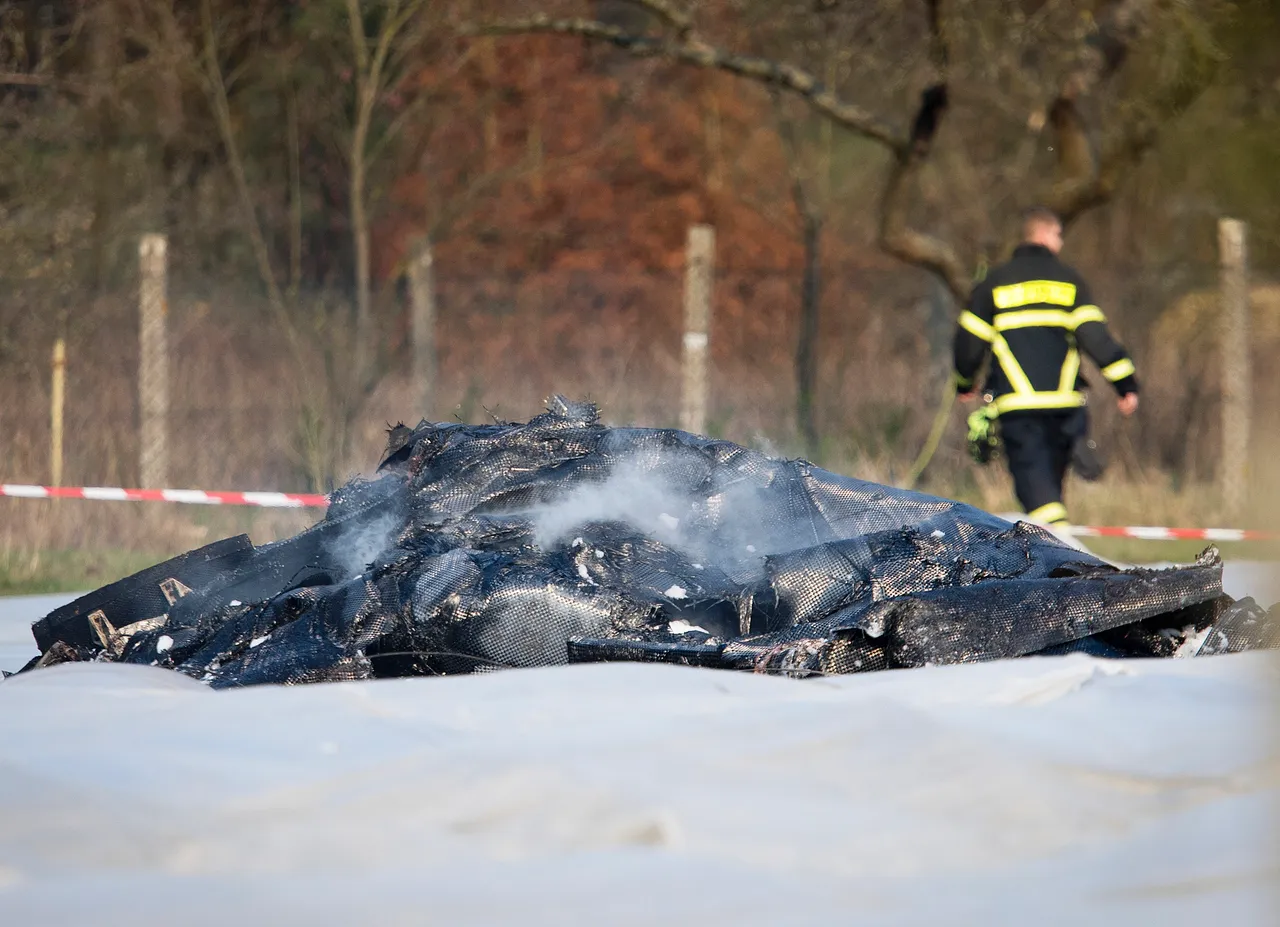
[748, 528]
[641, 498]
[355, 548]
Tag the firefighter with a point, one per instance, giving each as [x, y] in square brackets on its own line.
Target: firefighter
[1035, 315]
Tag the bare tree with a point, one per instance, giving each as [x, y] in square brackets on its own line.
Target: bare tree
[809, 182]
[373, 56]
[216, 87]
[969, 51]
[105, 52]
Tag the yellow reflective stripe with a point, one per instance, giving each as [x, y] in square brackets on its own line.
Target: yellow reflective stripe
[976, 326]
[1048, 318]
[1012, 369]
[1008, 363]
[1050, 513]
[1082, 314]
[1053, 292]
[1049, 399]
[1030, 318]
[1119, 370]
[1070, 370]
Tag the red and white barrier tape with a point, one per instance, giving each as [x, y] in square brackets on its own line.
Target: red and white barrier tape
[294, 500]
[1173, 534]
[280, 500]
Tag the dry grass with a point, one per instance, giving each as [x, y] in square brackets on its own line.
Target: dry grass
[66, 545]
[241, 418]
[70, 544]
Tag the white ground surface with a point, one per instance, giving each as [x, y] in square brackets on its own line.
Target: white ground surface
[1034, 791]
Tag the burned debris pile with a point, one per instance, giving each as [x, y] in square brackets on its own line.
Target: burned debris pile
[561, 540]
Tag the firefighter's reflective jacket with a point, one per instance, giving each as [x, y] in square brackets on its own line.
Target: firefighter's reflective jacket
[1036, 315]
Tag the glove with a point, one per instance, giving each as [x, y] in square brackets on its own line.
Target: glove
[984, 435]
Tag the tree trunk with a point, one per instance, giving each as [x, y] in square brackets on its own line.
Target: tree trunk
[351, 400]
[104, 57]
[807, 343]
[536, 150]
[712, 135]
[169, 116]
[360, 242]
[295, 194]
[489, 67]
[423, 297]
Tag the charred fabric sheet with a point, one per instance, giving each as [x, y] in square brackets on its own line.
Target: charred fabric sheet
[561, 540]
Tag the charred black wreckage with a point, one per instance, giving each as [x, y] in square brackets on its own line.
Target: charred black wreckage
[561, 540]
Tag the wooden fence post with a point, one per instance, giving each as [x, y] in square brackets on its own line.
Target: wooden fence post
[57, 399]
[699, 276]
[422, 295]
[153, 364]
[1237, 379]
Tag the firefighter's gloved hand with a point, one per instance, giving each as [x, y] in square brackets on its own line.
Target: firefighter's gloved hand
[984, 436]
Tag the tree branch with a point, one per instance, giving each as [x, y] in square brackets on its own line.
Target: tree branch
[909, 154]
[1116, 28]
[939, 52]
[1085, 180]
[810, 286]
[689, 49]
[896, 238]
[359, 41]
[441, 224]
[677, 19]
[410, 113]
[18, 79]
[217, 89]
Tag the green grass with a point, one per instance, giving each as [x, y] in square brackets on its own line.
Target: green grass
[60, 546]
[53, 547]
[30, 572]
[1131, 550]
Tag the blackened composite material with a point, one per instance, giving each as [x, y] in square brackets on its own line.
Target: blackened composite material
[562, 540]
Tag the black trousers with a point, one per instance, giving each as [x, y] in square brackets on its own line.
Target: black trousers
[1038, 447]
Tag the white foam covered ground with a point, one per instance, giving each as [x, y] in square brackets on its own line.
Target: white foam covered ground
[1034, 791]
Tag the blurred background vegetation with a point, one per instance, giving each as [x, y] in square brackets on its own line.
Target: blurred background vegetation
[294, 152]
